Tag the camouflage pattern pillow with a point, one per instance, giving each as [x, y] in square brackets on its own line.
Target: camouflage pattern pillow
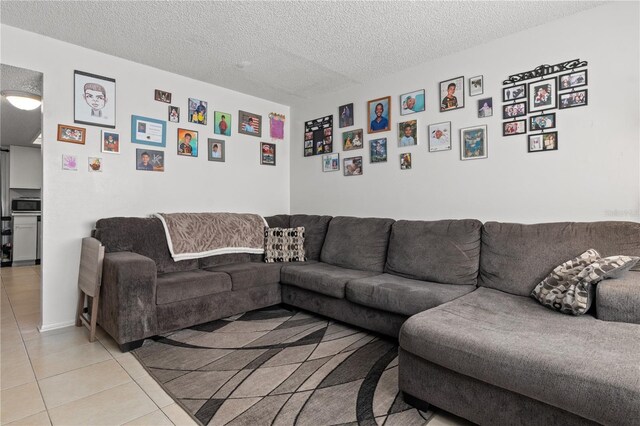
[570, 287]
[284, 245]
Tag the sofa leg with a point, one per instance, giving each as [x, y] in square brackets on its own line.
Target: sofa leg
[129, 346]
[415, 402]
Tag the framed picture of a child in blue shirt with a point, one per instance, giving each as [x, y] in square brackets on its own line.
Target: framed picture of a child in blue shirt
[379, 115]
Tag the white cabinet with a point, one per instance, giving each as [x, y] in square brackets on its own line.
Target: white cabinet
[25, 238]
[25, 167]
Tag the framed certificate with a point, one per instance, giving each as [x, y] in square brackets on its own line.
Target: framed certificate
[148, 131]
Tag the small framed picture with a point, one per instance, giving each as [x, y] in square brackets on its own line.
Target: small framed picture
[378, 150]
[71, 134]
[517, 109]
[162, 96]
[331, 162]
[110, 142]
[268, 154]
[249, 124]
[512, 128]
[452, 94]
[513, 93]
[149, 160]
[94, 100]
[573, 79]
[197, 111]
[412, 102]
[543, 142]
[345, 112]
[95, 164]
[574, 99]
[69, 162]
[352, 166]
[476, 86]
[405, 161]
[222, 123]
[485, 107]
[351, 140]
[542, 122]
[408, 133]
[148, 131]
[542, 94]
[379, 115]
[473, 143]
[174, 114]
[440, 137]
[215, 149]
[187, 143]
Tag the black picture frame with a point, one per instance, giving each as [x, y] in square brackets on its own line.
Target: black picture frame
[460, 99]
[540, 137]
[551, 90]
[107, 86]
[534, 125]
[561, 101]
[568, 85]
[318, 136]
[268, 156]
[520, 94]
[522, 113]
[520, 130]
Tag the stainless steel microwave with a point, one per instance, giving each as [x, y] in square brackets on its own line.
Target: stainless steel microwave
[26, 205]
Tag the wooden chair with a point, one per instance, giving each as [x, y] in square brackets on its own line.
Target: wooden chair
[89, 280]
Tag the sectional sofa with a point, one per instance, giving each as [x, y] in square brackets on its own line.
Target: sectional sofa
[455, 293]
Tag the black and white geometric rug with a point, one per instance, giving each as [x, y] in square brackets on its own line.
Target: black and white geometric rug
[277, 366]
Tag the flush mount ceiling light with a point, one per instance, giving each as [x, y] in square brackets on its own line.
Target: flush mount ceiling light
[22, 100]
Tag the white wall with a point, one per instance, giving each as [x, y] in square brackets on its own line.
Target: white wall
[594, 175]
[73, 201]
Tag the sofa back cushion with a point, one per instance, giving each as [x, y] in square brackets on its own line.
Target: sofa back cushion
[514, 258]
[443, 251]
[315, 230]
[278, 221]
[144, 236]
[357, 243]
[224, 259]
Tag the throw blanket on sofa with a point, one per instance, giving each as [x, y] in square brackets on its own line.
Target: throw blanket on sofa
[196, 235]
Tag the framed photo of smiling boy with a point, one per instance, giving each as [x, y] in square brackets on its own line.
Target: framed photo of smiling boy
[94, 100]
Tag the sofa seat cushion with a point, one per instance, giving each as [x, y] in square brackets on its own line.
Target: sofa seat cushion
[321, 277]
[250, 274]
[177, 286]
[583, 365]
[400, 295]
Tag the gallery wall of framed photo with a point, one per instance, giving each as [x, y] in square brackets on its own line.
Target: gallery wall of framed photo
[106, 172]
[509, 168]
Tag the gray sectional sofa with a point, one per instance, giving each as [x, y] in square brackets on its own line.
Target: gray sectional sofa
[455, 293]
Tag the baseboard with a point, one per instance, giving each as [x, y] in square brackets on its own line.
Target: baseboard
[49, 327]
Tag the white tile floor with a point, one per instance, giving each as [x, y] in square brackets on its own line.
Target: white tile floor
[60, 378]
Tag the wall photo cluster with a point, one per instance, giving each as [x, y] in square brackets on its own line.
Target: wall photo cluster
[95, 105]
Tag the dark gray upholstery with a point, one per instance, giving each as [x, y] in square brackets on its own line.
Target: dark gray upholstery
[225, 259]
[177, 286]
[402, 295]
[580, 364]
[357, 243]
[128, 297]
[619, 299]
[515, 257]
[144, 236]
[443, 251]
[250, 274]
[278, 221]
[342, 310]
[320, 277]
[315, 229]
[475, 400]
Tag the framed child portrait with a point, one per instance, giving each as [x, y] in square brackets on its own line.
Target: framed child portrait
[331, 162]
[345, 113]
[174, 114]
[405, 161]
[379, 115]
[222, 123]
[485, 107]
[267, 154]
[378, 150]
[408, 133]
[542, 122]
[574, 99]
[573, 79]
[514, 110]
[187, 143]
[94, 100]
[162, 96]
[440, 137]
[197, 111]
[71, 134]
[110, 142]
[542, 94]
[249, 124]
[149, 160]
[516, 127]
[473, 143]
[543, 142]
[412, 102]
[452, 94]
[352, 140]
[352, 166]
[215, 150]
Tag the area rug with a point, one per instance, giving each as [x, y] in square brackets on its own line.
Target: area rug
[278, 366]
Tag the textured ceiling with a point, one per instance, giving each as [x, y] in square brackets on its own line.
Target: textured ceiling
[19, 127]
[283, 51]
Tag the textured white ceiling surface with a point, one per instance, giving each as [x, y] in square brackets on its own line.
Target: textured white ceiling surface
[19, 127]
[285, 51]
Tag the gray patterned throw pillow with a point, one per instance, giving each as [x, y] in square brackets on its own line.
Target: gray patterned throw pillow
[284, 245]
[569, 288]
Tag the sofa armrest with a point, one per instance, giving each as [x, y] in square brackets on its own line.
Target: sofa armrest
[619, 299]
[128, 297]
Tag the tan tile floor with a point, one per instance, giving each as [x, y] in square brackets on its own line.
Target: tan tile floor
[60, 378]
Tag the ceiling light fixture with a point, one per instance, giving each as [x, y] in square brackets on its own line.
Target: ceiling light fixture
[22, 100]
